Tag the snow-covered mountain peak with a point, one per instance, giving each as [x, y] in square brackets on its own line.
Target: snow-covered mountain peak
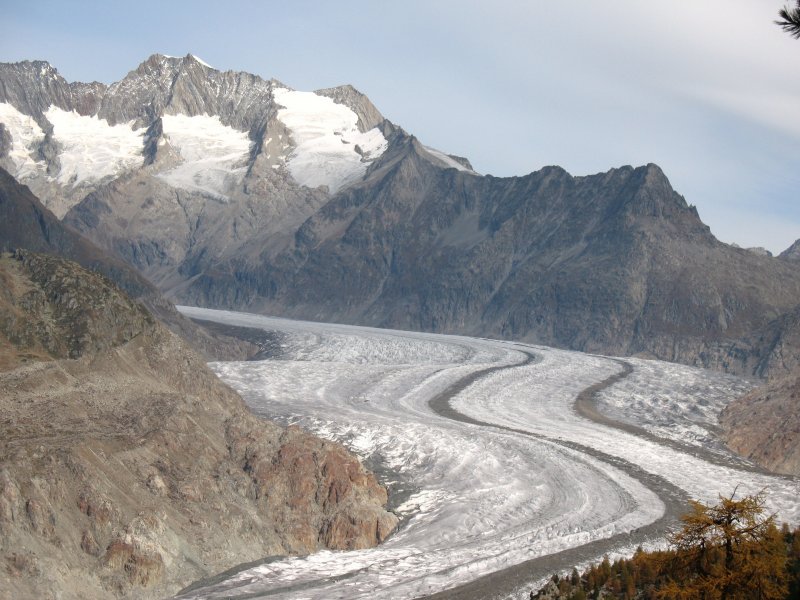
[195, 128]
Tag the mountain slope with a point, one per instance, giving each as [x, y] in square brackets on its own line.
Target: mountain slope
[28, 224]
[231, 191]
[764, 425]
[127, 469]
[615, 262]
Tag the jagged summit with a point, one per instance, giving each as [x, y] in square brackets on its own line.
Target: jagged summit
[200, 130]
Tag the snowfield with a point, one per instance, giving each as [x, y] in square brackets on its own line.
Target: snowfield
[328, 149]
[214, 156]
[513, 474]
[93, 150]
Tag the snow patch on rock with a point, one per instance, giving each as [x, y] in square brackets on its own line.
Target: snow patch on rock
[93, 150]
[25, 136]
[201, 61]
[214, 155]
[446, 161]
[329, 148]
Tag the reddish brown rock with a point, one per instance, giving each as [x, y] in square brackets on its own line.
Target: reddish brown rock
[89, 544]
[130, 470]
[764, 425]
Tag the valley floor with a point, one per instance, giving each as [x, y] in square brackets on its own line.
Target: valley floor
[498, 478]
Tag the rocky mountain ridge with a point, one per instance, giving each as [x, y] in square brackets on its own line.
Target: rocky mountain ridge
[151, 118]
[615, 263]
[128, 470]
[792, 252]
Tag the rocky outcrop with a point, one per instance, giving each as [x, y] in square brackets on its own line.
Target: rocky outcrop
[771, 351]
[764, 425]
[368, 115]
[127, 469]
[792, 252]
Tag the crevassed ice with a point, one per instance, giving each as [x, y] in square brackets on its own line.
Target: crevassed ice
[92, 149]
[326, 135]
[25, 136]
[214, 155]
[482, 498]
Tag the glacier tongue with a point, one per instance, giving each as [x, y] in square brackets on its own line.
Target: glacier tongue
[329, 148]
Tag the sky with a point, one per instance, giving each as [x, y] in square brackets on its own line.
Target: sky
[707, 90]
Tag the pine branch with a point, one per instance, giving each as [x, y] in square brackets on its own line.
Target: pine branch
[790, 20]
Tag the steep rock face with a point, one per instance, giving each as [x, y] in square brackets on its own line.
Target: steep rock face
[128, 469]
[764, 425]
[615, 262]
[29, 225]
[771, 351]
[34, 86]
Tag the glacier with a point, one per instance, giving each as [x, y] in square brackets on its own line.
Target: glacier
[329, 148]
[520, 477]
[213, 156]
[26, 136]
[93, 150]
[512, 476]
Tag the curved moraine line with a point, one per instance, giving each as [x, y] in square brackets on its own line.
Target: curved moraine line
[503, 583]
